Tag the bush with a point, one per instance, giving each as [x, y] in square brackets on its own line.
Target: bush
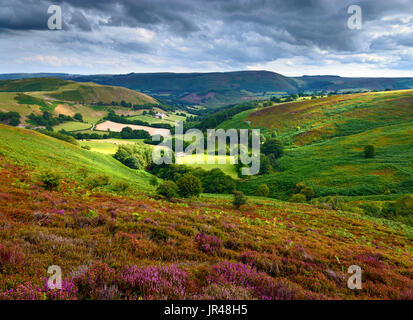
[273, 146]
[208, 244]
[121, 186]
[97, 180]
[308, 192]
[263, 191]
[239, 199]
[154, 181]
[189, 186]
[369, 151]
[50, 179]
[78, 116]
[404, 205]
[298, 197]
[168, 189]
[86, 147]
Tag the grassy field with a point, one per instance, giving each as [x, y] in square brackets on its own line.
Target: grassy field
[201, 161]
[26, 147]
[72, 126]
[107, 146]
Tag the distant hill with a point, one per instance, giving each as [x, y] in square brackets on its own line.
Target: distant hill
[222, 88]
[66, 97]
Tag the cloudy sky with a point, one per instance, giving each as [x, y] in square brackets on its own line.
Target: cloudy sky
[292, 37]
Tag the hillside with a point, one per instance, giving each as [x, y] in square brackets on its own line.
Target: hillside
[38, 152]
[221, 88]
[125, 246]
[324, 141]
[65, 97]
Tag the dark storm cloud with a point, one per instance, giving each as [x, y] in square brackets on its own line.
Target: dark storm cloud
[233, 32]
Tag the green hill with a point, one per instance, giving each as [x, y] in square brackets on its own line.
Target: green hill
[65, 97]
[324, 143]
[40, 152]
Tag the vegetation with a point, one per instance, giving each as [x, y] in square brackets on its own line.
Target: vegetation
[239, 199]
[168, 189]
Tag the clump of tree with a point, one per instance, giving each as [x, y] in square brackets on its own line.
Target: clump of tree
[213, 181]
[263, 191]
[11, 118]
[47, 120]
[303, 193]
[50, 179]
[168, 189]
[369, 151]
[137, 156]
[239, 199]
[189, 186]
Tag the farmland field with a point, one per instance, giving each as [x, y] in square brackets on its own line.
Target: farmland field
[117, 127]
[73, 126]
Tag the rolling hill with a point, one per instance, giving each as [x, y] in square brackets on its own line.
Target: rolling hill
[128, 245]
[221, 88]
[324, 141]
[58, 96]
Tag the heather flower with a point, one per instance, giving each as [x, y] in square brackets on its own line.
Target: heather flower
[263, 286]
[29, 291]
[154, 282]
[208, 243]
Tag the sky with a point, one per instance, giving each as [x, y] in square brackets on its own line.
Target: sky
[291, 37]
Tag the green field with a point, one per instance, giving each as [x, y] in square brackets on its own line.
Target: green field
[42, 152]
[200, 161]
[72, 126]
[107, 146]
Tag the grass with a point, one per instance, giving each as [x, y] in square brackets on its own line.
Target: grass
[107, 146]
[270, 248]
[72, 126]
[201, 161]
[35, 150]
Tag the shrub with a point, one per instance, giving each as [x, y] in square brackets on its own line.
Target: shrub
[404, 205]
[121, 186]
[97, 180]
[78, 116]
[154, 282]
[189, 186]
[154, 181]
[298, 197]
[274, 147]
[208, 243]
[11, 256]
[369, 151]
[239, 199]
[308, 192]
[94, 281]
[261, 284]
[168, 189]
[86, 147]
[263, 191]
[28, 291]
[50, 179]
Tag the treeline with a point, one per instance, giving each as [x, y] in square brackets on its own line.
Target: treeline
[129, 105]
[126, 133]
[47, 120]
[112, 116]
[213, 181]
[11, 118]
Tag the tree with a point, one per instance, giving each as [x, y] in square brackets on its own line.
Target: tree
[78, 116]
[273, 146]
[369, 151]
[168, 189]
[189, 185]
[263, 191]
[265, 165]
[239, 199]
